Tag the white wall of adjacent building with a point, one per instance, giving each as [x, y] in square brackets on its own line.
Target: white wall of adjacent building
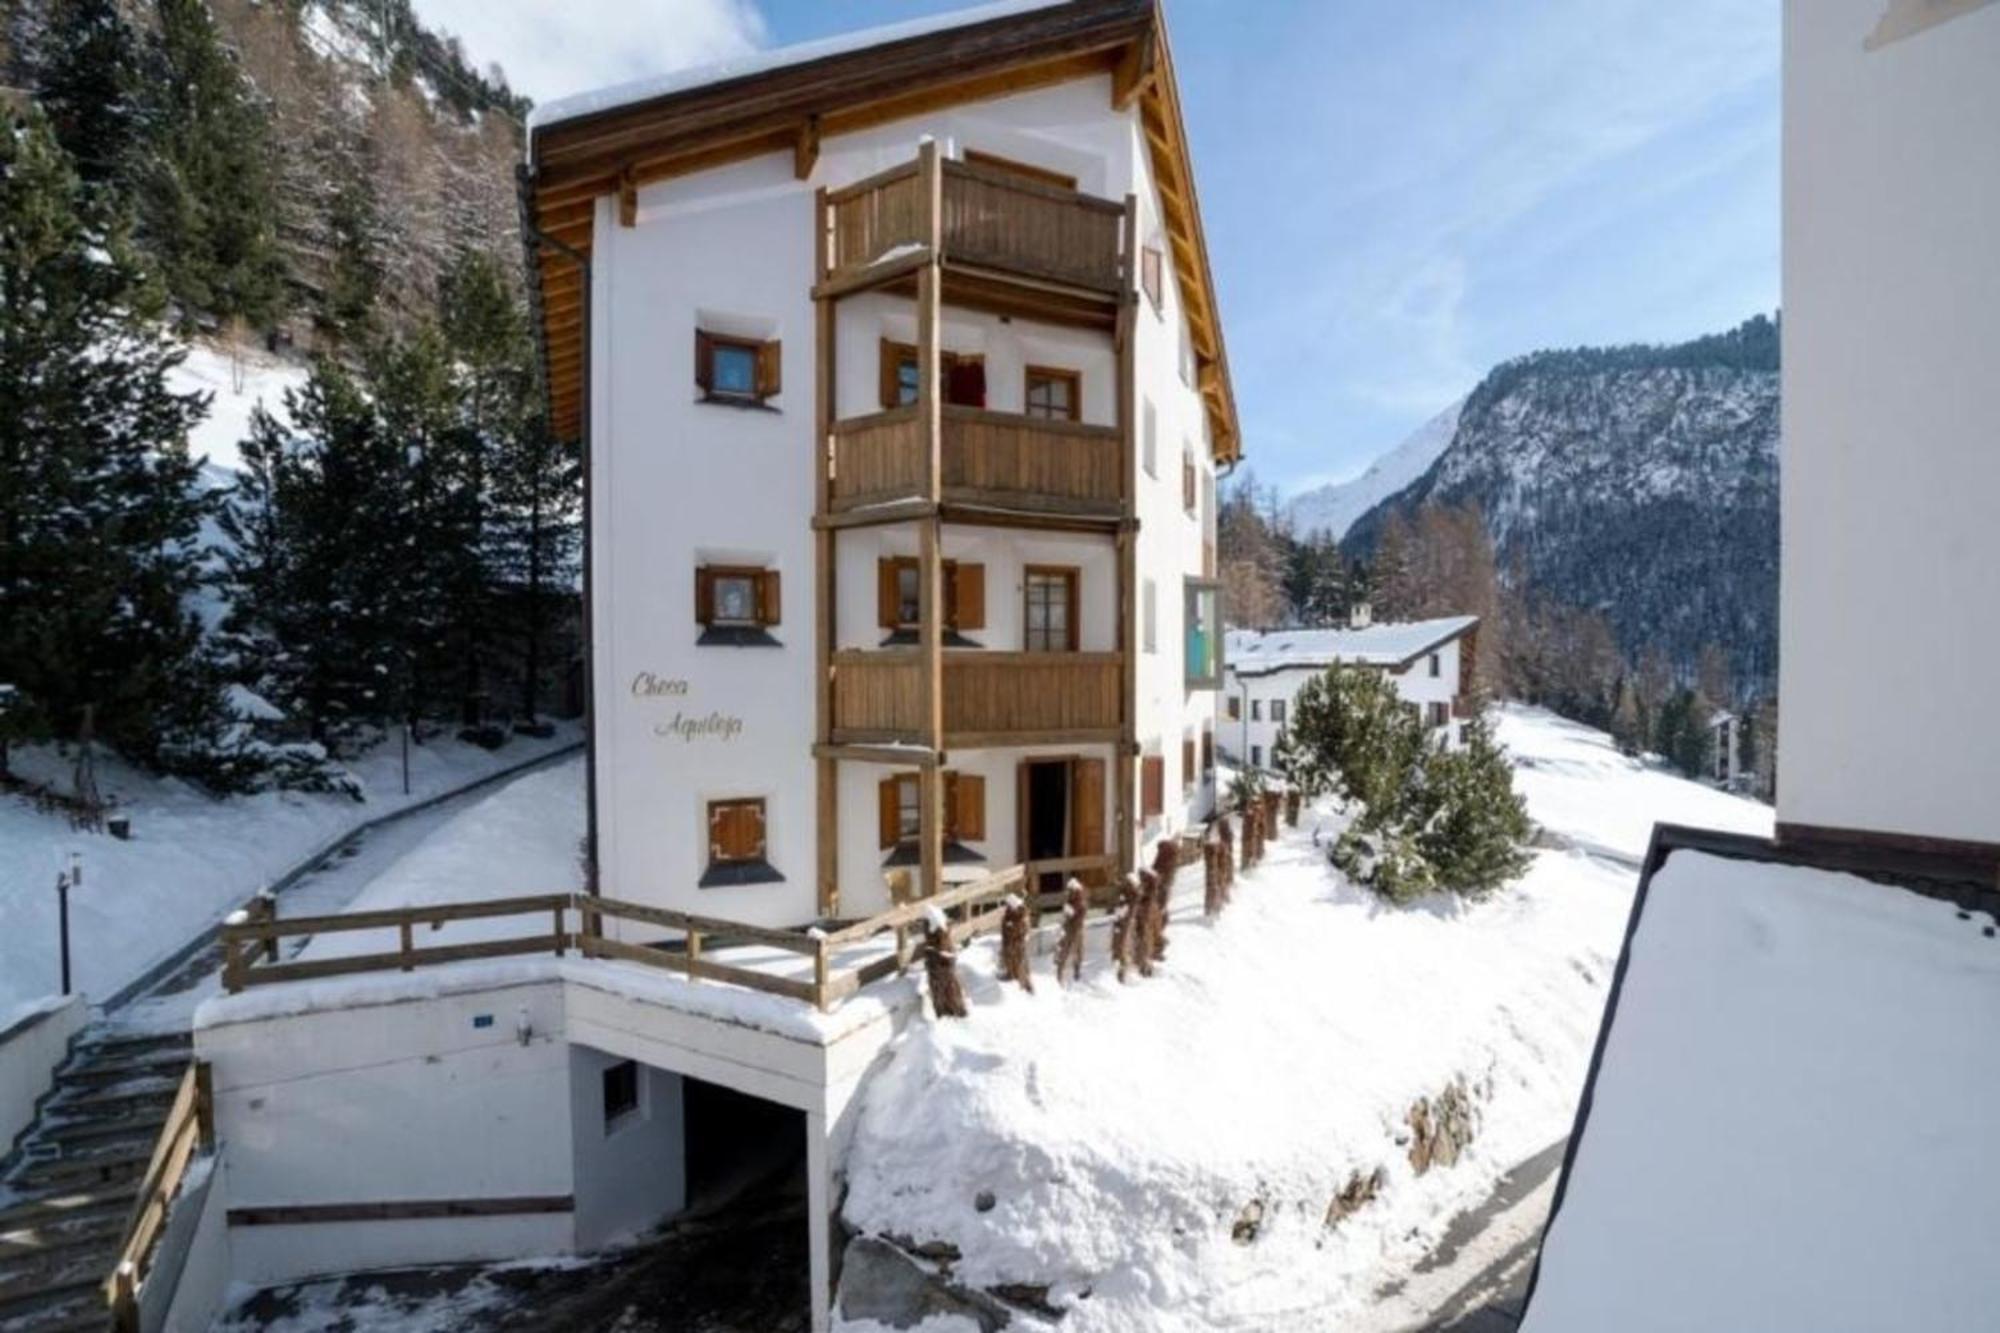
[1263, 701]
[1889, 617]
[677, 482]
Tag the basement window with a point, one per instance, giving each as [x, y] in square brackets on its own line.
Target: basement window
[621, 1094]
[736, 845]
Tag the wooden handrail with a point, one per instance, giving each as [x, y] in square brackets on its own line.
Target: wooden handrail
[190, 1127]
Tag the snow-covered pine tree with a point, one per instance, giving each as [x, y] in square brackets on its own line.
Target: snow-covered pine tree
[209, 212]
[91, 81]
[1468, 822]
[99, 513]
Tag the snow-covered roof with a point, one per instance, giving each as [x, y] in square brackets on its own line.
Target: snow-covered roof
[1789, 1123]
[1259, 652]
[760, 62]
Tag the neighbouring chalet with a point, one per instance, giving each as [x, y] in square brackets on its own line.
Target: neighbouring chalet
[1430, 661]
[896, 368]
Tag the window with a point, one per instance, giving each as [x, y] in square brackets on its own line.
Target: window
[1025, 170]
[1150, 451]
[1152, 786]
[1152, 264]
[1187, 479]
[621, 1093]
[1187, 355]
[1202, 622]
[899, 595]
[736, 844]
[1437, 665]
[1234, 707]
[1054, 394]
[1187, 763]
[961, 376]
[1440, 713]
[736, 604]
[1256, 756]
[1278, 711]
[900, 811]
[1150, 616]
[1207, 750]
[735, 370]
[1256, 710]
[1050, 613]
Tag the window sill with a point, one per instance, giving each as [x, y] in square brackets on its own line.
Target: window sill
[956, 853]
[729, 874]
[730, 400]
[736, 636]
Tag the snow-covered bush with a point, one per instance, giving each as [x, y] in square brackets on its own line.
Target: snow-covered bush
[238, 762]
[1425, 817]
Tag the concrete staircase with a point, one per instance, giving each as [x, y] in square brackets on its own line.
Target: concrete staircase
[67, 1193]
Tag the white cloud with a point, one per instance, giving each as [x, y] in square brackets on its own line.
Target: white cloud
[552, 50]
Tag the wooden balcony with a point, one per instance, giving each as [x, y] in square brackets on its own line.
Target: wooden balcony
[990, 460]
[990, 698]
[991, 221]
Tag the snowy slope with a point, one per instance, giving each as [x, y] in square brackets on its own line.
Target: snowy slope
[238, 380]
[191, 858]
[1125, 1132]
[1331, 508]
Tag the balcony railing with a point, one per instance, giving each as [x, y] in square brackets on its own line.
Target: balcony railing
[991, 219]
[989, 697]
[995, 459]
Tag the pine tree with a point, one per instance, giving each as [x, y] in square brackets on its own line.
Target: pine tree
[91, 80]
[1350, 734]
[209, 210]
[1469, 823]
[99, 514]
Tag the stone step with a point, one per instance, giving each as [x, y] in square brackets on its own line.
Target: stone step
[115, 1165]
[101, 1228]
[125, 1045]
[83, 1071]
[52, 1278]
[97, 1129]
[74, 1310]
[56, 1205]
[140, 1092]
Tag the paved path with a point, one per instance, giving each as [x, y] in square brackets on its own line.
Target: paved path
[1476, 1278]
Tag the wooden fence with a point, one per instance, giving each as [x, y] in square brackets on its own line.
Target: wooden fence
[190, 1128]
[251, 940]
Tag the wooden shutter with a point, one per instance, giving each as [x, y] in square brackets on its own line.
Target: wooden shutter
[968, 590]
[704, 360]
[1150, 261]
[767, 597]
[1086, 812]
[889, 815]
[891, 354]
[885, 592]
[1152, 785]
[965, 806]
[735, 830]
[1207, 750]
[1187, 482]
[704, 595]
[1187, 761]
[769, 366]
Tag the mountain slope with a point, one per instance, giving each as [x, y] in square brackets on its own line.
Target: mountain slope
[1640, 481]
[1333, 508]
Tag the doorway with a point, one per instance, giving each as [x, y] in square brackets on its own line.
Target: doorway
[1045, 816]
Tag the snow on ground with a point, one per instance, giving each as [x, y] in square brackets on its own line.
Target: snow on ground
[1792, 1127]
[191, 857]
[237, 380]
[1123, 1131]
[1580, 788]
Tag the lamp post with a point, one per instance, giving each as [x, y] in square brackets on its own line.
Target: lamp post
[65, 881]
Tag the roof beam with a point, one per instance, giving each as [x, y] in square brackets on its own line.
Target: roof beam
[805, 152]
[1137, 68]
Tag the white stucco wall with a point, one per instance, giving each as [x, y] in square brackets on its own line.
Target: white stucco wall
[1891, 425]
[632, 1173]
[677, 482]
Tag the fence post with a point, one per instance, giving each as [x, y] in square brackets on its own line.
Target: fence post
[204, 1105]
[232, 962]
[406, 948]
[819, 973]
[265, 911]
[560, 942]
[125, 1298]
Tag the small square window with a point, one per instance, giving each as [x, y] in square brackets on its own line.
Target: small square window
[1256, 756]
[735, 604]
[1278, 711]
[621, 1093]
[1053, 395]
[735, 599]
[1437, 665]
[735, 370]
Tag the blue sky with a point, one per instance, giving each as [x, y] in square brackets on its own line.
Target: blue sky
[1397, 193]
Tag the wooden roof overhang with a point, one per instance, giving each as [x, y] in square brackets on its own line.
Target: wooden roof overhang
[571, 163]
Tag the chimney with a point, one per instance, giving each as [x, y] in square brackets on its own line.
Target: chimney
[1360, 616]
